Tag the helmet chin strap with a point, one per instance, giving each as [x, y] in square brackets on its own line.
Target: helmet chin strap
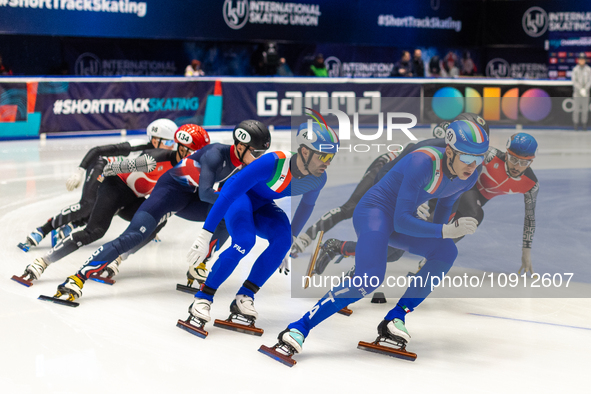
[450, 163]
[241, 156]
[306, 162]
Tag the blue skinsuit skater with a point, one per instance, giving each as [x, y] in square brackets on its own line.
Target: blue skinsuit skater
[247, 205]
[385, 216]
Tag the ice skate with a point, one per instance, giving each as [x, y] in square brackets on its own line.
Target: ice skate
[391, 341]
[242, 317]
[196, 272]
[290, 341]
[199, 316]
[33, 239]
[329, 250]
[313, 259]
[72, 288]
[106, 275]
[33, 272]
[61, 233]
[421, 264]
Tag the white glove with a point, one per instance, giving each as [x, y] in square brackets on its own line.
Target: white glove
[423, 211]
[526, 262]
[285, 266]
[583, 92]
[200, 248]
[459, 228]
[75, 179]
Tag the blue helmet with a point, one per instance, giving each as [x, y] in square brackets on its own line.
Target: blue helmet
[522, 146]
[322, 139]
[466, 137]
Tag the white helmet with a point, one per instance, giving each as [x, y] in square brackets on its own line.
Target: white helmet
[162, 128]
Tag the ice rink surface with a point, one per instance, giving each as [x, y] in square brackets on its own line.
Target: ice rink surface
[123, 339]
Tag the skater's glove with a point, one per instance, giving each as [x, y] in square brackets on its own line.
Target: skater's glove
[459, 228]
[526, 262]
[285, 266]
[75, 179]
[583, 92]
[423, 211]
[200, 248]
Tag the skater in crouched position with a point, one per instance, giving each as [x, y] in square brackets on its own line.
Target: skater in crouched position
[123, 189]
[247, 204]
[161, 135]
[187, 191]
[385, 216]
[333, 247]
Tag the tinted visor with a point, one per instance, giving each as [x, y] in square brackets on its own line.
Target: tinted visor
[325, 157]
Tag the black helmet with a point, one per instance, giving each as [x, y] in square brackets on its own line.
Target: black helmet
[469, 116]
[252, 133]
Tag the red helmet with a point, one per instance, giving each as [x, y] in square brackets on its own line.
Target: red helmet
[191, 136]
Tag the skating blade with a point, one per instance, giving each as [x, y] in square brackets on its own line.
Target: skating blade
[187, 289]
[243, 328]
[274, 354]
[388, 351]
[22, 281]
[24, 247]
[345, 311]
[100, 279]
[185, 325]
[58, 301]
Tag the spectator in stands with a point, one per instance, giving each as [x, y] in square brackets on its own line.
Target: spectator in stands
[403, 68]
[449, 69]
[4, 69]
[468, 66]
[434, 66]
[418, 66]
[265, 60]
[581, 78]
[318, 68]
[194, 69]
[284, 70]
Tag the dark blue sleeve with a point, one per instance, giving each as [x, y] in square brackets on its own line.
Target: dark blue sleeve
[417, 175]
[305, 208]
[258, 171]
[209, 162]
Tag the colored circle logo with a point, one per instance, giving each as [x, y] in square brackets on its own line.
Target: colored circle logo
[535, 104]
[448, 103]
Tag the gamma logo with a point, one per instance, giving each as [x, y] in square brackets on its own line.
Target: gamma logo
[235, 13]
[535, 21]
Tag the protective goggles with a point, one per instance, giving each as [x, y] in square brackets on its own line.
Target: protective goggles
[167, 142]
[517, 161]
[325, 157]
[469, 159]
[257, 153]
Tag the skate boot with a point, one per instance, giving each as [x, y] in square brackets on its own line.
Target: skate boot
[72, 287]
[198, 317]
[33, 239]
[300, 244]
[242, 316]
[290, 341]
[33, 272]
[61, 233]
[110, 271]
[197, 272]
[329, 250]
[391, 341]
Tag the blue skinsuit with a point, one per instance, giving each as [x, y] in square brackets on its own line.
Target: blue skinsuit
[385, 216]
[247, 205]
